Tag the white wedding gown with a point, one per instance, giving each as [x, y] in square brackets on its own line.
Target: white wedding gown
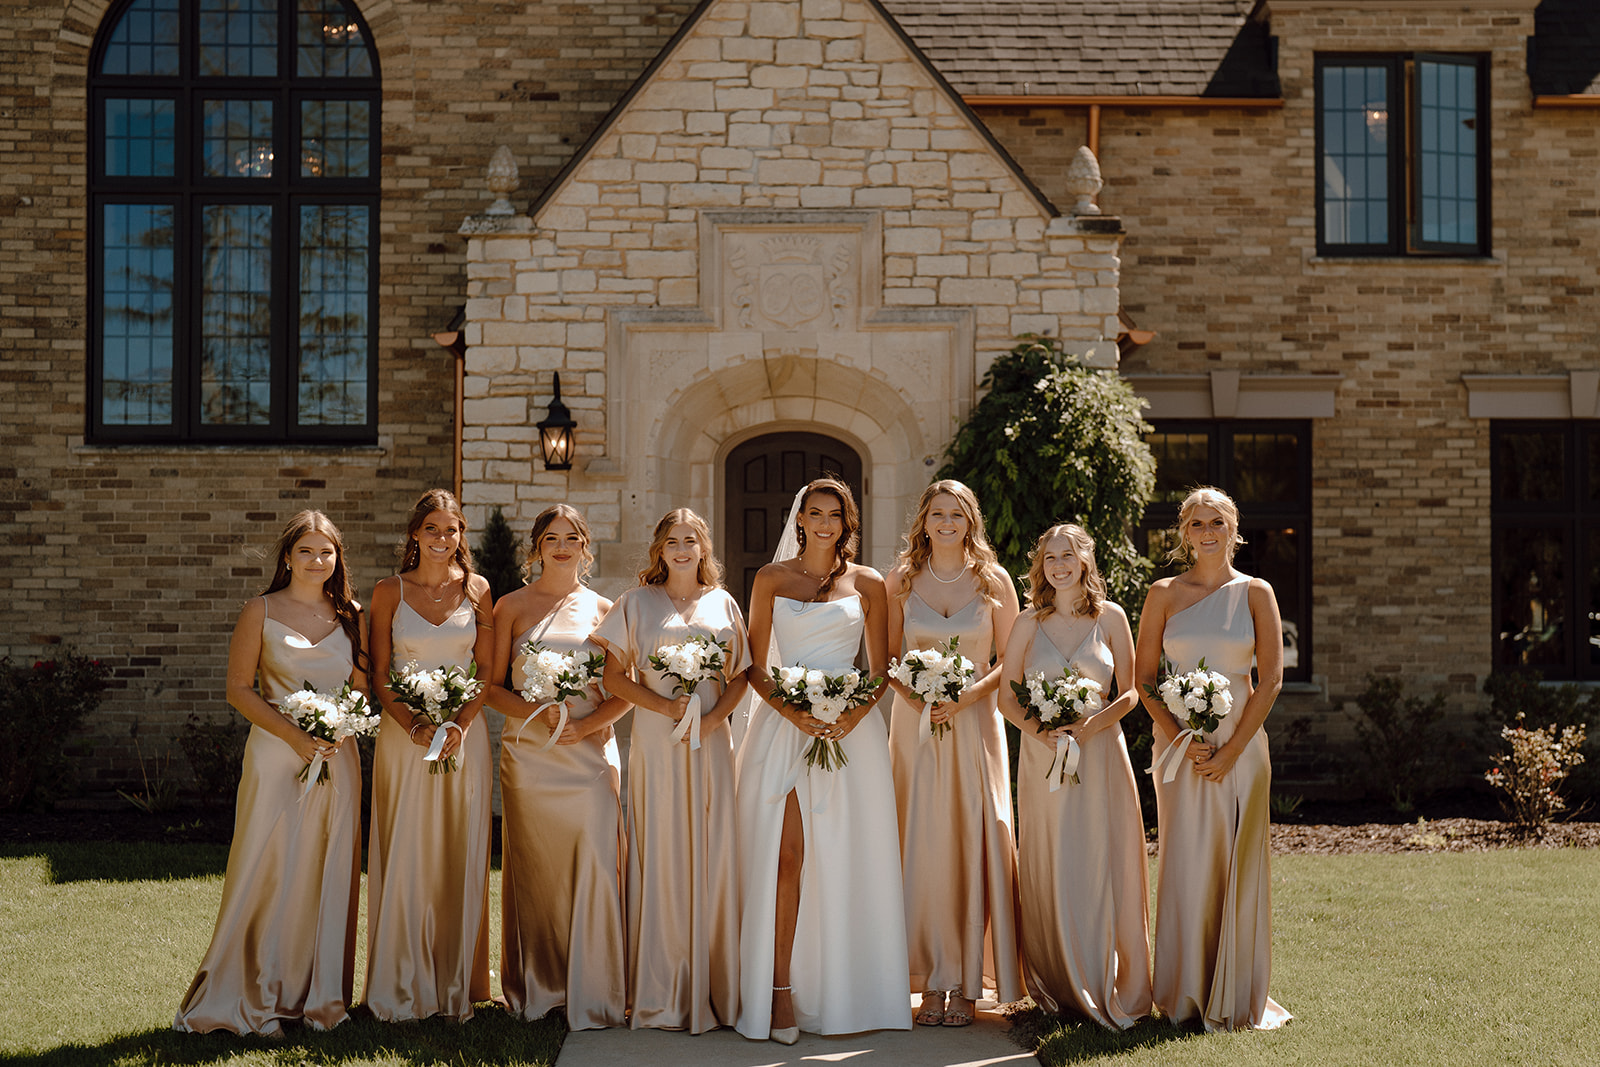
[848, 970]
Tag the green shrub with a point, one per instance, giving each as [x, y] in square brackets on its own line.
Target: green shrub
[40, 706]
[1530, 775]
[1524, 694]
[1402, 740]
[496, 556]
[214, 749]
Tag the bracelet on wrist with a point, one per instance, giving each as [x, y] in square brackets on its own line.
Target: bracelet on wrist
[417, 725]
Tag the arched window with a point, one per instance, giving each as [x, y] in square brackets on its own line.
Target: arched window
[233, 222]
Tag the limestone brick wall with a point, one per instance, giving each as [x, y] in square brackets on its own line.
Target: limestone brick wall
[1221, 261]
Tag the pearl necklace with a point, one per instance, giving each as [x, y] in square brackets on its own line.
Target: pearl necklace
[945, 581]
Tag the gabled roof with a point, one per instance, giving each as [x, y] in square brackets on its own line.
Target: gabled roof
[1564, 54]
[1095, 47]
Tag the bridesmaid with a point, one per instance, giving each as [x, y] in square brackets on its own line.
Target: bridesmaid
[428, 872]
[561, 824]
[284, 947]
[954, 792]
[1213, 952]
[683, 888]
[1081, 860]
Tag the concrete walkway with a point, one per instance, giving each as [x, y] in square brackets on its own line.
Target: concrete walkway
[979, 1045]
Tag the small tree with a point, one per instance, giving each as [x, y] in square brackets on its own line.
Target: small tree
[1401, 738]
[496, 555]
[1054, 441]
[40, 707]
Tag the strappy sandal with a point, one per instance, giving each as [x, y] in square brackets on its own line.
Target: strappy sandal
[958, 1016]
[929, 1014]
[783, 1035]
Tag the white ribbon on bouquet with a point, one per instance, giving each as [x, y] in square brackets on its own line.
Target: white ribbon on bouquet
[436, 749]
[1066, 762]
[689, 725]
[1171, 757]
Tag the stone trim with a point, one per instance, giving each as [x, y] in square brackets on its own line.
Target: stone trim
[1574, 395]
[1231, 394]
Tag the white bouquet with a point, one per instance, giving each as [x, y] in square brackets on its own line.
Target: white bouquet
[1200, 699]
[825, 697]
[692, 661]
[550, 678]
[938, 676]
[439, 695]
[1057, 703]
[329, 718]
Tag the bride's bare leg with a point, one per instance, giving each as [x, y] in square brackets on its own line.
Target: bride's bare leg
[791, 854]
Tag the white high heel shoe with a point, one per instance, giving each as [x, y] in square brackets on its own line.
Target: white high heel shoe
[783, 1035]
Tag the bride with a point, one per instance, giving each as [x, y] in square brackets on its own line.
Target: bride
[822, 943]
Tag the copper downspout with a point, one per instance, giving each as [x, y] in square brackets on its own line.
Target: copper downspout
[454, 339]
[1094, 130]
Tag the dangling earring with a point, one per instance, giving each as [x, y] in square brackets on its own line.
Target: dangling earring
[800, 535]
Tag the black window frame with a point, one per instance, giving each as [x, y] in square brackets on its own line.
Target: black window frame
[1403, 186]
[188, 191]
[1221, 470]
[1575, 515]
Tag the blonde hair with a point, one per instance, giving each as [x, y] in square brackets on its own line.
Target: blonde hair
[542, 522]
[709, 571]
[1042, 595]
[1205, 496]
[979, 555]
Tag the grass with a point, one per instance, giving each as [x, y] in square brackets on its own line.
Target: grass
[1449, 959]
[99, 941]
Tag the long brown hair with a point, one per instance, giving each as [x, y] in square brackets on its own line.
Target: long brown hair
[1042, 595]
[542, 522]
[708, 573]
[980, 557]
[411, 552]
[844, 549]
[337, 586]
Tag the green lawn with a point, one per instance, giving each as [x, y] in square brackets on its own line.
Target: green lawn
[1456, 959]
[99, 941]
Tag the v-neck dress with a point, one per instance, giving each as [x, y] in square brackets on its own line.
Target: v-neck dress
[428, 868]
[953, 795]
[1213, 950]
[561, 849]
[1081, 862]
[683, 880]
[284, 946]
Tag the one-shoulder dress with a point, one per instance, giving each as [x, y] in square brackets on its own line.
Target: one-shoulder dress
[1081, 862]
[561, 850]
[683, 879]
[428, 867]
[848, 971]
[1213, 950]
[284, 946]
[957, 847]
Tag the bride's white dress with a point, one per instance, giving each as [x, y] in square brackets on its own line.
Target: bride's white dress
[848, 971]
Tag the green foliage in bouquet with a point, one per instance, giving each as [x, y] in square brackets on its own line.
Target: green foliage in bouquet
[214, 749]
[496, 555]
[1054, 441]
[40, 706]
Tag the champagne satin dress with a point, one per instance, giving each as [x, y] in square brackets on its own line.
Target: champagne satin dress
[561, 849]
[1213, 954]
[284, 946]
[683, 881]
[953, 794]
[428, 867]
[1081, 862]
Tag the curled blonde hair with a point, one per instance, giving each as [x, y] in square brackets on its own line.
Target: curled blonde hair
[1205, 496]
[975, 548]
[708, 573]
[1092, 587]
[542, 522]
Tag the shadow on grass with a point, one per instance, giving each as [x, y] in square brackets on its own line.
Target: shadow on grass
[118, 861]
[491, 1037]
[1059, 1040]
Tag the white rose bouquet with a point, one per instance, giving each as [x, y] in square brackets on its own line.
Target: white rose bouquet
[328, 717]
[551, 678]
[690, 662]
[938, 676]
[439, 695]
[1200, 699]
[825, 697]
[1056, 703]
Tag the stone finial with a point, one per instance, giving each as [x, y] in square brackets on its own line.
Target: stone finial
[503, 181]
[1083, 181]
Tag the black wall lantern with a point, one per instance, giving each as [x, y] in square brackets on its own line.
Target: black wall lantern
[555, 433]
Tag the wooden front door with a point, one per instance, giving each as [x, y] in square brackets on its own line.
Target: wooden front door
[761, 477]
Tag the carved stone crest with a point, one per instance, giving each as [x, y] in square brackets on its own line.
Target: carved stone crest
[794, 281]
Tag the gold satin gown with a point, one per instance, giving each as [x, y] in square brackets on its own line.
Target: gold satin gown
[958, 851]
[428, 867]
[1081, 862]
[561, 850]
[284, 946]
[683, 880]
[1213, 953]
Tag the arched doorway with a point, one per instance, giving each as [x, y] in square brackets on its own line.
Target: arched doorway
[760, 479]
